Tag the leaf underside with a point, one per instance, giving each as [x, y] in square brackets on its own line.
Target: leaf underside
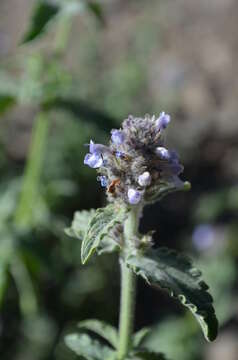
[174, 272]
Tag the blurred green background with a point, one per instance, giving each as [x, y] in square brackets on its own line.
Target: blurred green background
[70, 70]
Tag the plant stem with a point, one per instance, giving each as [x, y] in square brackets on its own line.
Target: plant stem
[32, 172]
[128, 290]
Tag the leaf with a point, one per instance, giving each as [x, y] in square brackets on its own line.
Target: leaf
[102, 329]
[90, 349]
[147, 355]
[172, 185]
[140, 335]
[174, 272]
[6, 101]
[100, 224]
[43, 13]
[96, 9]
[80, 223]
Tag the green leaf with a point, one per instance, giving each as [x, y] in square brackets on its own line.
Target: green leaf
[102, 329]
[140, 335]
[100, 224]
[172, 185]
[80, 223]
[6, 101]
[174, 272]
[146, 355]
[88, 348]
[43, 13]
[96, 8]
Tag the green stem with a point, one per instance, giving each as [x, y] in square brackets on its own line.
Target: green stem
[32, 172]
[128, 290]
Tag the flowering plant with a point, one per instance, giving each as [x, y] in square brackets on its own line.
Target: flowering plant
[136, 169]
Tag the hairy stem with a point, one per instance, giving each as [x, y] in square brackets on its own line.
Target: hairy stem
[128, 290]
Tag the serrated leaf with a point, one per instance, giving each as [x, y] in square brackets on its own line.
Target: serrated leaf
[174, 272]
[80, 223]
[6, 101]
[147, 355]
[102, 329]
[100, 224]
[139, 336]
[43, 13]
[88, 348]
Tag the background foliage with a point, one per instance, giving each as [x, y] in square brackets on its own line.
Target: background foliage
[70, 71]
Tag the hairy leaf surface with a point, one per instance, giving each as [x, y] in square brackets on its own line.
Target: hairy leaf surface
[100, 224]
[88, 348]
[80, 223]
[174, 272]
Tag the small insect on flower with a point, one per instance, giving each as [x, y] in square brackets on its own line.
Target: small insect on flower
[112, 187]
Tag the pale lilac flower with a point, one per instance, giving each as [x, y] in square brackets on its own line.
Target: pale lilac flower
[144, 179]
[134, 196]
[163, 121]
[98, 148]
[117, 137]
[94, 160]
[163, 153]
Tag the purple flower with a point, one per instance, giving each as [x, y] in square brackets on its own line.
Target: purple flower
[134, 196]
[163, 153]
[117, 137]
[144, 179]
[93, 160]
[103, 180]
[163, 121]
[98, 148]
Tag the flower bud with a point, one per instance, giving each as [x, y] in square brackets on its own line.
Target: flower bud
[162, 153]
[144, 179]
[134, 196]
[163, 121]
